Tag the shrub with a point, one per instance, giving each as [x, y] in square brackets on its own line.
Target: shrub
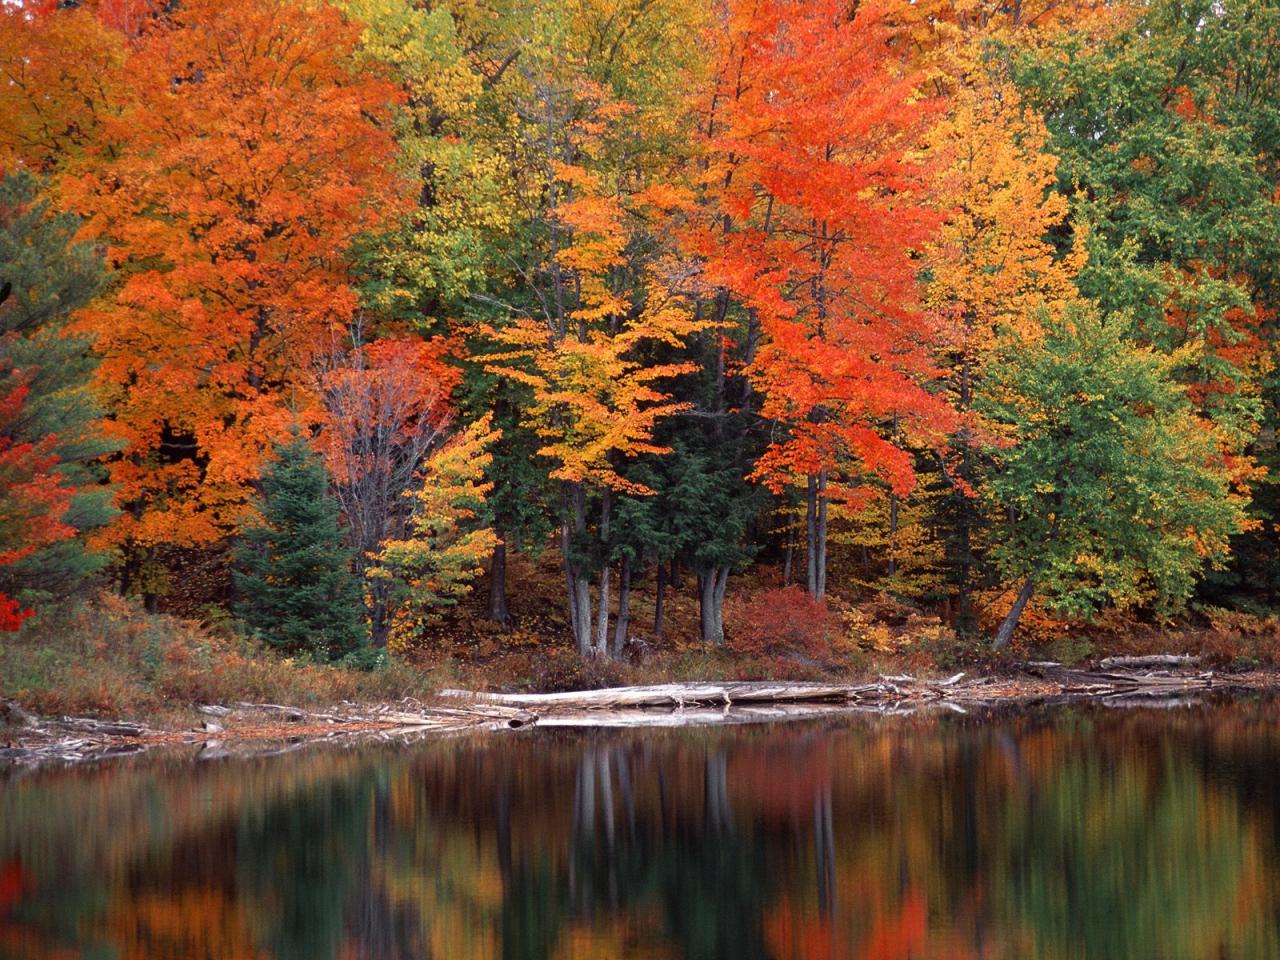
[781, 622]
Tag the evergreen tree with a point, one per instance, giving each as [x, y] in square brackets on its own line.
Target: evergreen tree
[294, 579]
[50, 277]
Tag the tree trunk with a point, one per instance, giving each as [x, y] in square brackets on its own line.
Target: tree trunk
[722, 584]
[822, 536]
[893, 534]
[786, 565]
[660, 601]
[624, 609]
[498, 611]
[711, 587]
[966, 621]
[379, 628]
[582, 591]
[1005, 633]
[811, 536]
[602, 625]
[576, 579]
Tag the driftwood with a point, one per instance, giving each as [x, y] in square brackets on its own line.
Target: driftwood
[407, 713]
[733, 693]
[1108, 683]
[1153, 660]
[109, 728]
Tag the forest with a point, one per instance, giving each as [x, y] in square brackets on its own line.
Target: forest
[340, 326]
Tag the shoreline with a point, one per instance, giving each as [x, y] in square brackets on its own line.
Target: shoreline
[256, 729]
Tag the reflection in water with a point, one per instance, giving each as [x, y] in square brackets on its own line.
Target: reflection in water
[1080, 832]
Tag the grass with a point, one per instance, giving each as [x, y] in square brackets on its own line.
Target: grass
[107, 657]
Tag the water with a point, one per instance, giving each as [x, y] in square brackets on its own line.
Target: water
[1077, 832]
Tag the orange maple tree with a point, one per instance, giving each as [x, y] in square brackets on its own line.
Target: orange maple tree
[227, 189]
[59, 81]
[819, 209]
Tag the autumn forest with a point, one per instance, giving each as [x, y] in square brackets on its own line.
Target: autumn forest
[391, 313]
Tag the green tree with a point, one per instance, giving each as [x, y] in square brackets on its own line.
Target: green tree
[1168, 135]
[293, 577]
[50, 277]
[1112, 489]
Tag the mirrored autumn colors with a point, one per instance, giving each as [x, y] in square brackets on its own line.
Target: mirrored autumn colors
[1064, 832]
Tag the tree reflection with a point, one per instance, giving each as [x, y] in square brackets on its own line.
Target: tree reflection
[1065, 834]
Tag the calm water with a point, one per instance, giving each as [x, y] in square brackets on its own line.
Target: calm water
[1072, 832]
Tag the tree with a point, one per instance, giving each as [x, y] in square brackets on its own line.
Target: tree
[992, 267]
[595, 143]
[1168, 137]
[293, 578]
[447, 540]
[1114, 490]
[50, 277]
[388, 406]
[250, 152]
[60, 80]
[33, 499]
[818, 210]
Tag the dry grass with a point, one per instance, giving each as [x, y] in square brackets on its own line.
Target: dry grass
[109, 658]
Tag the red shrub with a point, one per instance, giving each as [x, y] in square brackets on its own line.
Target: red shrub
[779, 622]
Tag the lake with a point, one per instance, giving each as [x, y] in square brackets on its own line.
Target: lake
[1076, 831]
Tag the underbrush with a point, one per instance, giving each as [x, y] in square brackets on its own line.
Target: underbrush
[106, 656]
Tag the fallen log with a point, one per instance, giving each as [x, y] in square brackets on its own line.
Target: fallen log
[671, 695]
[109, 728]
[729, 693]
[1152, 660]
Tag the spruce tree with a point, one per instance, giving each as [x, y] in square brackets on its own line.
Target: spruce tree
[296, 590]
[49, 277]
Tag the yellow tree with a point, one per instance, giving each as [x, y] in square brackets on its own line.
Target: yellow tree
[450, 61]
[60, 79]
[595, 397]
[992, 265]
[597, 142]
[448, 539]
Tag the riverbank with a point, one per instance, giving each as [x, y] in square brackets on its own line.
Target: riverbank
[103, 677]
[245, 728]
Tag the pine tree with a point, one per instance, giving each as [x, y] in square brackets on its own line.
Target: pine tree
[294, 575]
[50, 277]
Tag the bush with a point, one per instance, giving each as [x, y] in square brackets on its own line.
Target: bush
[781, 622]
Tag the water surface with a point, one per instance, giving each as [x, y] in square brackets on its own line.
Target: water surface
[1070, 832]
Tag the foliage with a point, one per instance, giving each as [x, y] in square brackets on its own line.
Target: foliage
[246, 156]
[294, 582]
[104, 655]
[33, 499]
[1115, 491]
[982, 295]
[781, 622]
[51, 276]
[447, 541]
[388, 406]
